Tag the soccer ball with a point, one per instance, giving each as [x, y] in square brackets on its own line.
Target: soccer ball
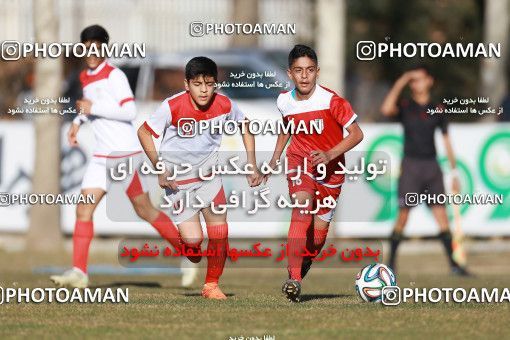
[371, 280]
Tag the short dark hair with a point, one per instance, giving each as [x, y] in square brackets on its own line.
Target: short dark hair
[301, 51]
[423, 67]
[96, 33]
[201, 66]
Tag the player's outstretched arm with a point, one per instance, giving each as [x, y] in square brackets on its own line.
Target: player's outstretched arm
[281, 142]
[249, 144]
[72, 133]
[389, 106]
[354, 138]
[149, 148]
[116, 111]
[147, 143]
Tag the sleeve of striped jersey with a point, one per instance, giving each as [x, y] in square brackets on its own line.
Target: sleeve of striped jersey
[159, 120]
[235, 113]
[121, 89]
[279, 103]
[342, 111]
[123, 108]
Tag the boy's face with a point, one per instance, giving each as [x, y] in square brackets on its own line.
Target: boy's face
[201, 89]
[93, 61]
[304, 72]
[420, 82]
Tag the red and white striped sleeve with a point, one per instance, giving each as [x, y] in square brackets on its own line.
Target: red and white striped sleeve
[342, 111]
[159, 120]
[123, 107]
[235, 113]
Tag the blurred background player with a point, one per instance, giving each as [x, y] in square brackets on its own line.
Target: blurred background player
[420, 170]
[108, 104]
[174, 120]
[309, 101]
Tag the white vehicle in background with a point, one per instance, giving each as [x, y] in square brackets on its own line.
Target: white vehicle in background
[160, 76]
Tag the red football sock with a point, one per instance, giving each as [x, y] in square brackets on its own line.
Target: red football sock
[167, 229]
[319, 238]
[83, 233]
[196, 247]
[218, 243]
[310, 239]
[299, 225]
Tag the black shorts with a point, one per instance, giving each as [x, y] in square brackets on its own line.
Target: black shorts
[419, 176]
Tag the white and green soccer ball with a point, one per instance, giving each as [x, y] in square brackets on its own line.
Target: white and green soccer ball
[371, 280]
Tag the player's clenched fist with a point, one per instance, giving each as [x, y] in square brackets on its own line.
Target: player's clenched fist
[319, 156]
[255, 179]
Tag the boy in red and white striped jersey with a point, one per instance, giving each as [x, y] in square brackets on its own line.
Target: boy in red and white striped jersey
[108, 104]
[175, 120]
[306, 102]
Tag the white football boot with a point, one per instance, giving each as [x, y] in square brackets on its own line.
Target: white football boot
[74, 278]
[189, 273]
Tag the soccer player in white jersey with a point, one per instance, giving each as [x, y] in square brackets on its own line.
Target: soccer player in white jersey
[175, 120]
[307, 102]
[108, 105]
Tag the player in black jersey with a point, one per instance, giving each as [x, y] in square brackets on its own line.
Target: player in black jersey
[420, 171]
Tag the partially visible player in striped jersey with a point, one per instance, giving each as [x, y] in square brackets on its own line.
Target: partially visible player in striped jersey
[108, 104]
[309, 101]
[175, 120]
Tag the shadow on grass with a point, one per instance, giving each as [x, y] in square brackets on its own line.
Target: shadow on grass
[310, 297]
[199, 294]
[128, 283]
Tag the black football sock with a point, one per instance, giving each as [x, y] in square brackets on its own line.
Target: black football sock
[395, 239]
[446, 238]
